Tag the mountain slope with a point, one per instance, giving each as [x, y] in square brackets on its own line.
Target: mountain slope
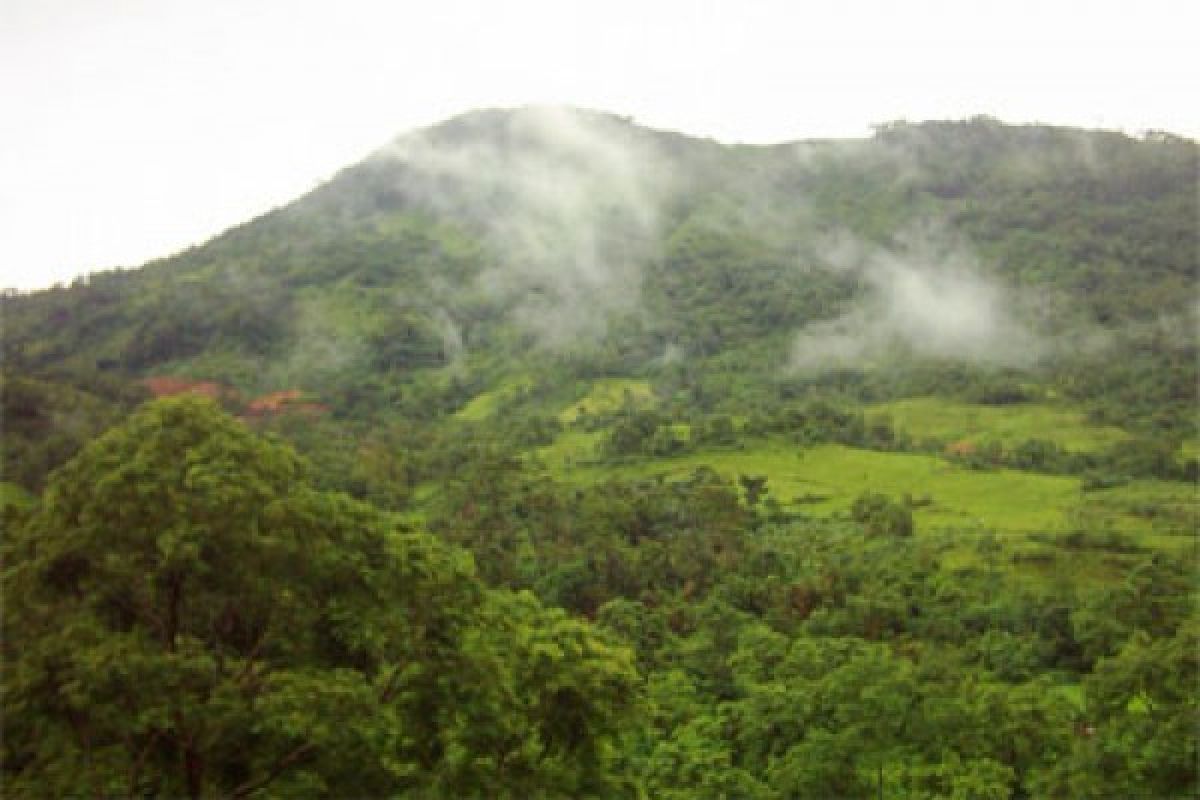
[551, 239]
[879, 456]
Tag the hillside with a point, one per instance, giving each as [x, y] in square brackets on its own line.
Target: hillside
[880, 455]
[969, 259]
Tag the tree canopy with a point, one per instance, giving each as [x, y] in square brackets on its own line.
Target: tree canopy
[187, 616]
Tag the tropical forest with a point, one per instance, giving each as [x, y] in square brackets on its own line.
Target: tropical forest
[541, 454]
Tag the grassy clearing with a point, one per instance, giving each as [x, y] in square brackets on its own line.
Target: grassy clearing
[570, 450]
[1017, 508]
[950, 421]
[826, 479]
[609, 395]
[485, 404]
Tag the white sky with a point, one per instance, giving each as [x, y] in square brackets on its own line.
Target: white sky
[133, 128]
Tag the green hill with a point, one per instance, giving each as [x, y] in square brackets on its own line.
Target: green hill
[879, 454]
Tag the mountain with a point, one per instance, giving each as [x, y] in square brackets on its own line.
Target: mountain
[630, 465]
[551, 239]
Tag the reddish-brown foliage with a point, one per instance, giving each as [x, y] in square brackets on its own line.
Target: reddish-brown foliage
[289, 401]
[164, 386]
[961, 448]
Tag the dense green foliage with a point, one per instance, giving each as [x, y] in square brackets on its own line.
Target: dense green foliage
[186, 617]
[576, 459]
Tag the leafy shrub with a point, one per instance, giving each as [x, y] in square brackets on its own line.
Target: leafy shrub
[881, 516]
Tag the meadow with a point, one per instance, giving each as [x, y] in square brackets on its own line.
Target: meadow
[953, 421]
[1045, 525]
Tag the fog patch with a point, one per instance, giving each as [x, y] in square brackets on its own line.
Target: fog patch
[322, 346]
[451, 333]
[671, 354]
[567, 201]
[926, 297]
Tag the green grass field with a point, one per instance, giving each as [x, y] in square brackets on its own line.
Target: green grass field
[485, 404]
[571, 449]
[1047, 524]
[1036, 517]
[950, 421]
[609, 395]
[825, 480]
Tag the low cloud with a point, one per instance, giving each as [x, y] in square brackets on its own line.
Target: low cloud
[925, 296]
[568, 202]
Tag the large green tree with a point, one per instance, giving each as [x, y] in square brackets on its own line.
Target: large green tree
[186, 616]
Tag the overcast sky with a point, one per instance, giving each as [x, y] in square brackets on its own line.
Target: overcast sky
[133, 128]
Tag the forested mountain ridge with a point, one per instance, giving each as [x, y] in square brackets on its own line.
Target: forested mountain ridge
[578, 231]
[456, 253]
[879, 456]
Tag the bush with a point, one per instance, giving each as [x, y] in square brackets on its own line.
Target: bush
[881, 516]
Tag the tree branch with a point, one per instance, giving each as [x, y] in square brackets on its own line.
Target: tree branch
[282, 764]
[245, 671]
[389, 688]
[135, 771]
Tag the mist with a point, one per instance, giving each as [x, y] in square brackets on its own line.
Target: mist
[927, 296]
[568, 203]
